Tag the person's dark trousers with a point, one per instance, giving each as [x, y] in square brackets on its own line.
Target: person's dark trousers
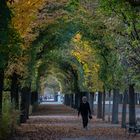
[85, 120]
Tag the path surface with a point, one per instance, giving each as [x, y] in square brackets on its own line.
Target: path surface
[58, 122]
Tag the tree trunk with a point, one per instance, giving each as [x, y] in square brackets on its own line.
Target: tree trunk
[23, 107]
[34, 100]
[91, 100]
[115, 108]
[139, 98]
[71, 100]
[77, 100]
[28, 96]
[14, 90]
[25, 104]
[124, 109]
[65, 99]
[109, 106]
[68, 99]
[1, 88]
[74, 100]
[132, 113]
[104, 96]
[99, 111]
[120, 98]
[136, 98]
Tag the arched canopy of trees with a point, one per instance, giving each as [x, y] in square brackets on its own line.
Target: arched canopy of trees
[86, 45]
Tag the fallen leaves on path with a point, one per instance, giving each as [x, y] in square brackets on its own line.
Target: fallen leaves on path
[55, 127]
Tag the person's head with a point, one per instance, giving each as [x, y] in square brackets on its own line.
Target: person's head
[84, 99]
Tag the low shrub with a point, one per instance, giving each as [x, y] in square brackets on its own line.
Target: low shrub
[9, 120]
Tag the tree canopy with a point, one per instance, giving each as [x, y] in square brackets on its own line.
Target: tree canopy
[93, 42]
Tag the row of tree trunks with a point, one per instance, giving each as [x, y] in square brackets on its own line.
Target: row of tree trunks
[74, 100]
[115, 110]
[26, 99]
[132, 102]
[132, 114]
[1, 88]
[137, 98]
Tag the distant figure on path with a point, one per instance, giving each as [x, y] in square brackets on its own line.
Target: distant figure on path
[85, 111]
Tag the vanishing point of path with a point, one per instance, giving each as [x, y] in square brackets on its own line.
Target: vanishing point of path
[59, 122]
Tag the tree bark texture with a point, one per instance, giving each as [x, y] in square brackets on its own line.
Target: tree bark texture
[115, 108]
[34, 100]
[99, 110]
[132, 112]
[25, 104]
[91, 102]
[124, 108]
[104, 96]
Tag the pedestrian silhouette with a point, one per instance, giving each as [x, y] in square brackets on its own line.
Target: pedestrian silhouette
[85, 111]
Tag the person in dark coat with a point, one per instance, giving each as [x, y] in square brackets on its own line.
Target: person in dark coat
[85, 111]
